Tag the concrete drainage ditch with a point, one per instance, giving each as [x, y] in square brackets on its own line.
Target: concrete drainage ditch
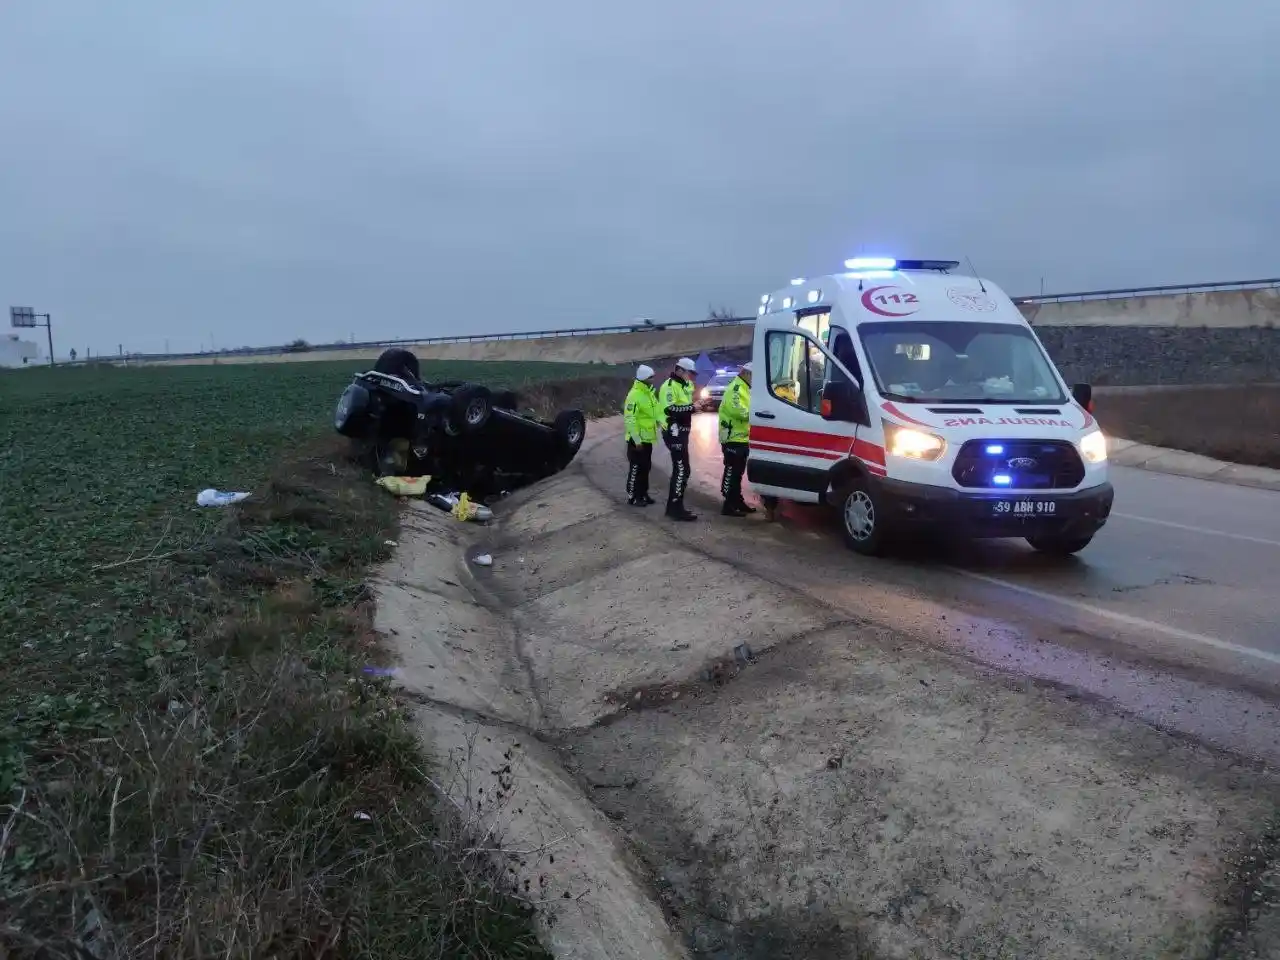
[694, 759]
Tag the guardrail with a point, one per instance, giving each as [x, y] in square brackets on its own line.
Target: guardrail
[1151, 291]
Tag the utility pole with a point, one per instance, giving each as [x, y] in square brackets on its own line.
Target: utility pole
[27, 317]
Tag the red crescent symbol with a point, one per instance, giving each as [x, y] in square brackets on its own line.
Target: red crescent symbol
[867, 302]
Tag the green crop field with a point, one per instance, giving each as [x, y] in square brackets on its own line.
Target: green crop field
[186, 732]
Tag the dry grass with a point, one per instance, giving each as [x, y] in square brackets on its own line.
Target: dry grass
[598, 396]
[1237, 424]
[268, 797]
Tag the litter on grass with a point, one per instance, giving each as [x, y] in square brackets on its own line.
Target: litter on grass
[404, 486]
[219, 498]
[483, 560]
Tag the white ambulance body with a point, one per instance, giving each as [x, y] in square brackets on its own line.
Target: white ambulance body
[907, 397]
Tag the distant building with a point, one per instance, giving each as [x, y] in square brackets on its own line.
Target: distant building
[17, 353]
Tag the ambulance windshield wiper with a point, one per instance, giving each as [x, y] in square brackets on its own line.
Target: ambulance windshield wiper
[902, 397]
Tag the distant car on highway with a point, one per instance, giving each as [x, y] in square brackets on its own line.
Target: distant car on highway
[646, 326]
[709, 396]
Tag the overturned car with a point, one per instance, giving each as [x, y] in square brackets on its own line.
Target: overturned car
[463, 435]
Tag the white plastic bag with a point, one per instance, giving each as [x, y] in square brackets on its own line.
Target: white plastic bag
[219, 498]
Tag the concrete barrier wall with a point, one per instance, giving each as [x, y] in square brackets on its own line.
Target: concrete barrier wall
[1216, 309]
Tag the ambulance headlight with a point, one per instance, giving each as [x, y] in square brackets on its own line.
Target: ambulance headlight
[1093, 447]
[912, 444]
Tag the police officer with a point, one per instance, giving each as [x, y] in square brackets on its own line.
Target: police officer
[735, 408]
[640, 413]
[675, 406]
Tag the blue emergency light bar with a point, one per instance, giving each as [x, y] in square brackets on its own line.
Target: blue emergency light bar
[889, 263]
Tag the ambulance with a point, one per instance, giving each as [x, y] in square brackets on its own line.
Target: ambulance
[910, 398]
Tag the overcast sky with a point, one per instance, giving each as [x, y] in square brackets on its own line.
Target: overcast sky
[250, 172]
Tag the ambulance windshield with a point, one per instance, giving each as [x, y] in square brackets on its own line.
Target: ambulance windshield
[923, 361]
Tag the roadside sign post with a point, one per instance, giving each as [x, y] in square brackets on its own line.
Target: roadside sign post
[26, 317]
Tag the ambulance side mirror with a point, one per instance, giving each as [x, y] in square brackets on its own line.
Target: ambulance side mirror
[843, 402]
[1082, 393]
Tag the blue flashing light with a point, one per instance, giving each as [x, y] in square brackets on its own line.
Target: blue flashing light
[995, 449]
[1002, 479]
[870, 263]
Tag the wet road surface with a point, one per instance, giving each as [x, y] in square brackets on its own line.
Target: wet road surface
[1172, 613]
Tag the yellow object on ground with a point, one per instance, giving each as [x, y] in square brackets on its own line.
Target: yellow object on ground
[404, 486]
[464, 509]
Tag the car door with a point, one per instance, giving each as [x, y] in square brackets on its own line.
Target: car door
[792, 447]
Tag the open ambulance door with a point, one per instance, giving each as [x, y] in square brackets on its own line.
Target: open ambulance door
[806, 408]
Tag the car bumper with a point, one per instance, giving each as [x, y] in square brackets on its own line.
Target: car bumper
[1074, 513]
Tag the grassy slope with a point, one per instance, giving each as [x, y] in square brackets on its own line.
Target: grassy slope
[1238, 424]
[188, 745]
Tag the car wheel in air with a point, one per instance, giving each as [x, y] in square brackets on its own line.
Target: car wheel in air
[398, 362]
[571, 429]
[472, 406]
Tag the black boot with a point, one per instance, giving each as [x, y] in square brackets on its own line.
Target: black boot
[681, 514]
[732, 510]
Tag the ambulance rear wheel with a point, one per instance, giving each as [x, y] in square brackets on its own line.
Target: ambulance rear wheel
[861, 519]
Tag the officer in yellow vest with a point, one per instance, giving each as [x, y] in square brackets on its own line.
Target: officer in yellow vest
[735, 409]
[675, 406]
[641, 415]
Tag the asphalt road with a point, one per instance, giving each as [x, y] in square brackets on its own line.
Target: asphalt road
[1172, 613]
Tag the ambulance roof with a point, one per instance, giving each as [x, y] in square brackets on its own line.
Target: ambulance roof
[896, 294]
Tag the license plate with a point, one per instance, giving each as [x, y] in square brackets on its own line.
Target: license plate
[1024, 508]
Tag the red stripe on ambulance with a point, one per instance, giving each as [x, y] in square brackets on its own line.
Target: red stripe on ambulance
[795, 451]
[801, 438]
[807, 443]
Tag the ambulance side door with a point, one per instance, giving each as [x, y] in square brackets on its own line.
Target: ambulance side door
[793, 448]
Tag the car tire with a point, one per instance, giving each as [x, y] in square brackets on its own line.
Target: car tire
[399, 362]
[571, 429]
[472, 408]
[861, 519]
[1059, 546]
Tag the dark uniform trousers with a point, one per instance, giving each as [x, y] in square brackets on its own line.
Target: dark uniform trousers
[639, 460]
[678, 445]
[735, 468]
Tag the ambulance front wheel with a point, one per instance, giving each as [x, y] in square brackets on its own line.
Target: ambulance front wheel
[1059, 546]
[861, 519]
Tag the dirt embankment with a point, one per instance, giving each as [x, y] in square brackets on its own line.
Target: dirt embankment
[1236, 424]
[668, 715]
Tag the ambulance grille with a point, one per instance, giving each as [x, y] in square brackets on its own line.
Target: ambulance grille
[1029, 464]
